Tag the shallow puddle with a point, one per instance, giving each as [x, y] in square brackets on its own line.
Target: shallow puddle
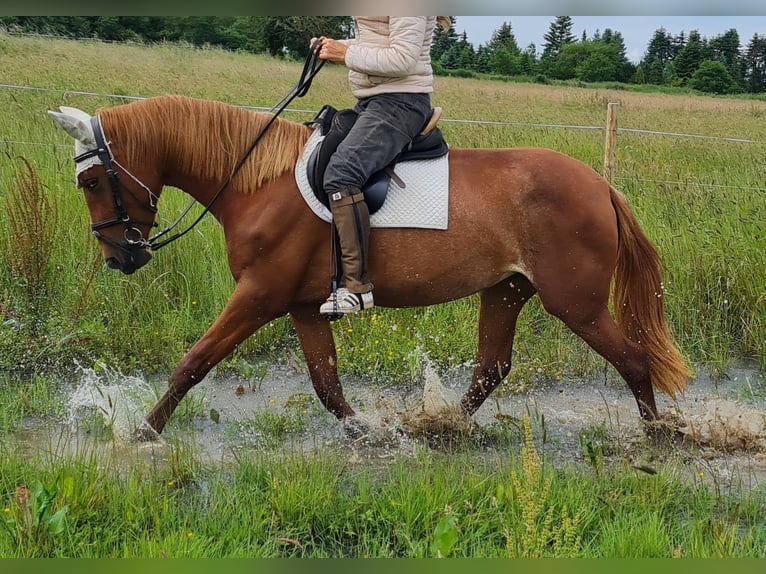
[574, 423]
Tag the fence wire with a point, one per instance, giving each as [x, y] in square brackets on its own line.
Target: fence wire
[443, 119]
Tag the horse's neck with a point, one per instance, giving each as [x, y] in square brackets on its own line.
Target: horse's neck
[201, 151]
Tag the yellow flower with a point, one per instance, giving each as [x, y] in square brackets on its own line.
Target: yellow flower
[171, 483]
[6, 509]
[190, 534]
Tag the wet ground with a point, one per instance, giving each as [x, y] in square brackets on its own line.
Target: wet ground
[722, 438]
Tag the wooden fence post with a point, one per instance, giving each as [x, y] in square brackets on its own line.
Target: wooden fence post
[610, 146]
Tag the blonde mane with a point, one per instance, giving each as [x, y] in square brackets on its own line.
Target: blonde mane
[204, 139]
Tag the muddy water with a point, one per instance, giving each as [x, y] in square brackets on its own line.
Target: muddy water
[575, 422]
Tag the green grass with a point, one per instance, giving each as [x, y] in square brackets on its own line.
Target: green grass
[35, 397]
[700, 200]
[436, 502]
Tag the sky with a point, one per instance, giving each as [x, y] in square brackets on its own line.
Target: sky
[636, 30]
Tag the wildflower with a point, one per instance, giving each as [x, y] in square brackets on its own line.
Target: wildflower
[171, 483]
[189, 534]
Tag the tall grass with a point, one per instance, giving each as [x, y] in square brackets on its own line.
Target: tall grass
[435, 503]
[701, 201]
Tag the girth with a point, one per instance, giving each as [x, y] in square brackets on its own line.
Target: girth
[334, 125]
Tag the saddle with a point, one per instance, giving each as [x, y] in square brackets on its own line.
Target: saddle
[335, 124]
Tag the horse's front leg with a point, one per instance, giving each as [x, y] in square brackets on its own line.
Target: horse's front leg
[315, 335]
[242, 316]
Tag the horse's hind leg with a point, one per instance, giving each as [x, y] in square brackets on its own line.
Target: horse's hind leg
[596, 326]
[500, 307]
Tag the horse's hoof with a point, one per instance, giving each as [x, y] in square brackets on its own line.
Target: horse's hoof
[355, 427]
[145, 433]
[663, 431]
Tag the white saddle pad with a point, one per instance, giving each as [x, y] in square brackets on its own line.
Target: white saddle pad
[422, 203]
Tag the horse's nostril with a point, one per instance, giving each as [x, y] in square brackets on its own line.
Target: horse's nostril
[112, 263]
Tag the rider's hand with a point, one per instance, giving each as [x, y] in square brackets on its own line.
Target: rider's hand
[332, 50]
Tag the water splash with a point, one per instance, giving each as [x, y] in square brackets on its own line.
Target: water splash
[727, 426]
[439, 413]
[436, 397]
[118, 401]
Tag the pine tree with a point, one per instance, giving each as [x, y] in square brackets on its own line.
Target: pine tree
[618, 54]
[466, 54]
[755, 64]
[690, 57]
[558, 35]
[658, 56]
[726, 48]
[443, 40]
[482, 59]
[660, 47]
[503, 38]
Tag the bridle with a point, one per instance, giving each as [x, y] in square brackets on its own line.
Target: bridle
[133, 236]
[134, 239]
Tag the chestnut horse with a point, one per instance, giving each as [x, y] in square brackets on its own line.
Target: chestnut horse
[522, 221]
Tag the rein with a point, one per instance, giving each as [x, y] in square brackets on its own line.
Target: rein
[310, 69]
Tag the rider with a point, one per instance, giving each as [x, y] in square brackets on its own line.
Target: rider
[389, 63]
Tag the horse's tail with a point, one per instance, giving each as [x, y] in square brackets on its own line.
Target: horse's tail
[639, 301]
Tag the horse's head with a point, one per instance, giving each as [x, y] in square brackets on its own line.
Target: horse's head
[122, 207]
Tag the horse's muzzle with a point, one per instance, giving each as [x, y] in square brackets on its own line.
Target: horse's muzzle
[129, 260]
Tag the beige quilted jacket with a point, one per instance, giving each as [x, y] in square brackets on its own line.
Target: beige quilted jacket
[390, 54]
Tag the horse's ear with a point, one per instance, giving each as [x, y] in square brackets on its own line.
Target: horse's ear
[76, 123]
[75, 112]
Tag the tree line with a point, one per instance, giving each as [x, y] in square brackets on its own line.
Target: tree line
[719, 65]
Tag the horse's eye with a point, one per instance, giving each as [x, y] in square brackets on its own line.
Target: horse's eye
[90, 184]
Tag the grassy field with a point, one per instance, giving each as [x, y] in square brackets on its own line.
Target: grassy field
[701, 200]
